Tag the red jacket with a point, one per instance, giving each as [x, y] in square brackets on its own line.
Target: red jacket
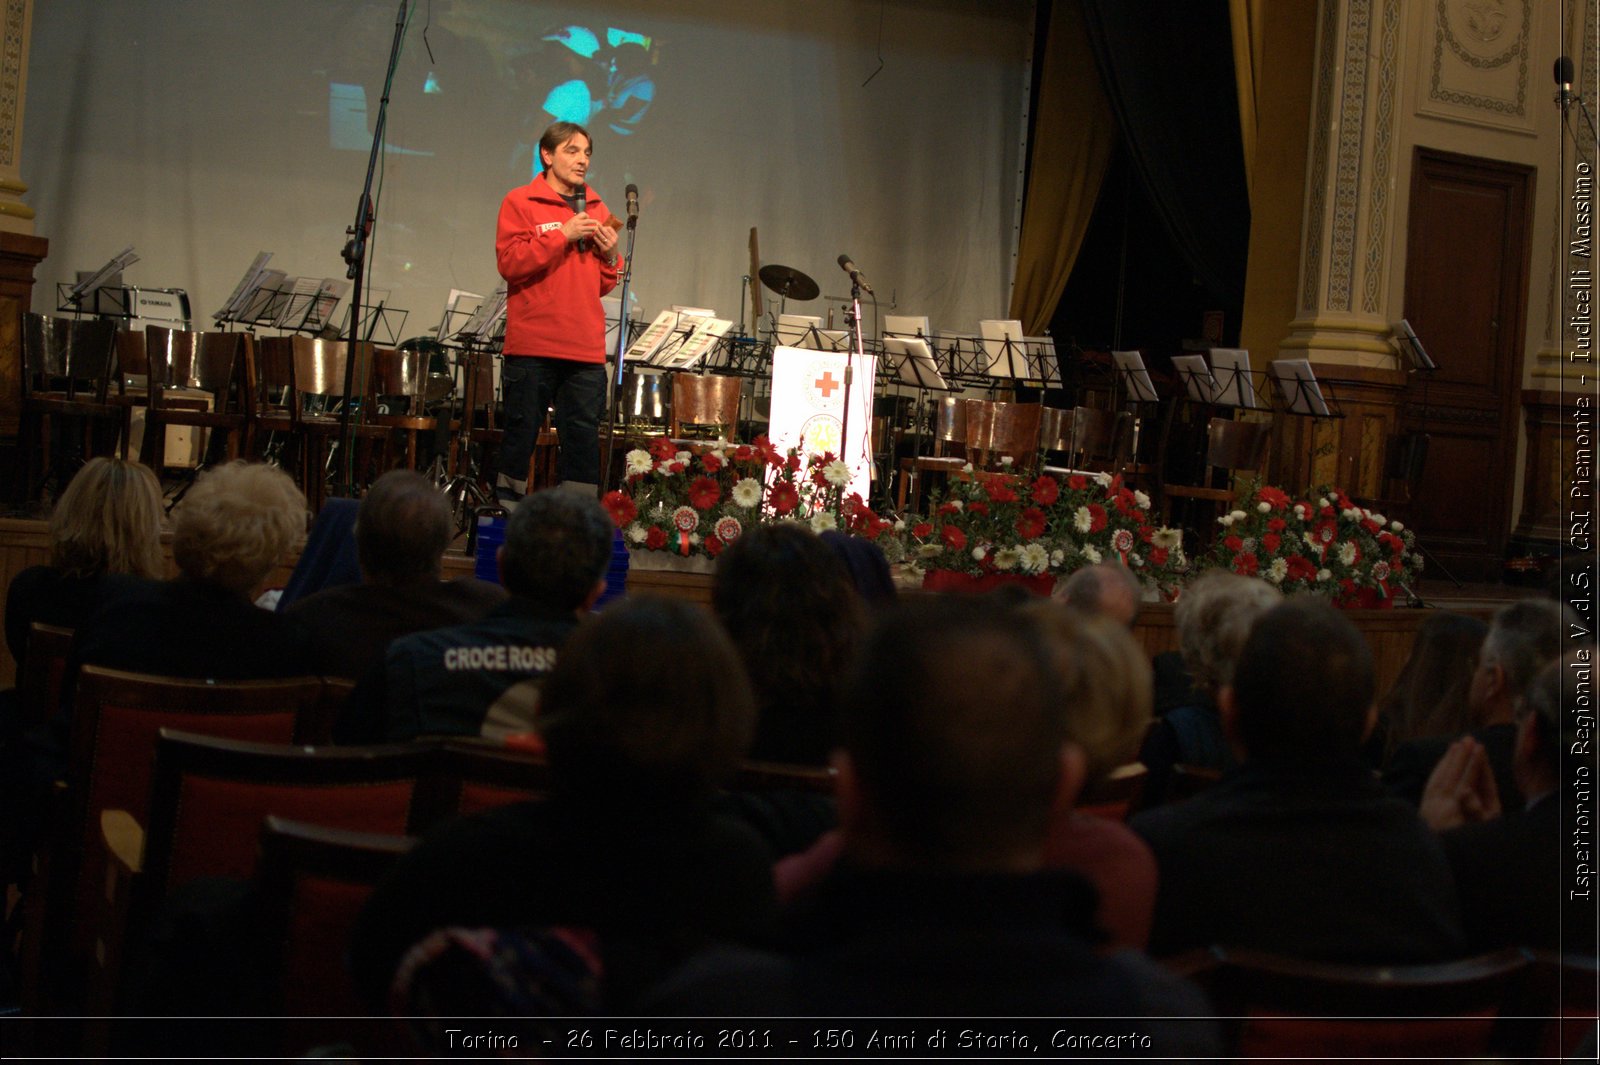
[553, 290]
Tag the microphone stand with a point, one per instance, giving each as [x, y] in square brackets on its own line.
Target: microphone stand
[622, 346]
[857, 345]
[355, 255]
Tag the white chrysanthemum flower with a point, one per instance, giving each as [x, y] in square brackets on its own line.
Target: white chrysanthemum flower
[900, 525]
[1238, 515]
[1167, 537]
[637, 533]
[929, 550]
[718, 454]
[1135, 560]
[1092, 553]
[1225, 520]
[1395, 526]
[1057, 556]
[684, 457]
[1324, 574]
[638, 461]
[1347, 554]
[1006, 558]
[1142, 500]
[1006, 460]
[1322, 501]
[694, 538]
[1103, 479]
[1033, 558]
[967, 468]
[1311, 541]
[1378, 518]
[1300, 511]
[823, 520]
[956, 503]
[836, 473]
[747, 492]
[1277, 571]
[1350, 514]
[1082, 520]
[1264, 507]
[978, 553]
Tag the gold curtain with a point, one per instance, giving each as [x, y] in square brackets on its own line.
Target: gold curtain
[1247, 20]
[1073, 136]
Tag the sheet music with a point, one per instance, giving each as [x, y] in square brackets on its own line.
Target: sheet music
[1412, 345]
[459, 302]
[1131, 365]
[115, 265]
[1042, 360]
[655, 334]
[1196, 377]
[246, 286]
[833, 339]
[904, 325]
[1231, 368]
[914, 362]
[1002, 358]
[706, 332]
[1298, 386]
[794, 330]
[258, 305]
[486, 314]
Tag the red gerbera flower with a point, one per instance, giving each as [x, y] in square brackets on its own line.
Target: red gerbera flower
[784, 497]
[710, 461]
[656, 538]
[620, 506]
[921, 530]
[1046, 490]
[662, 449]
[1270, 542]
[1097, 517]
[1030, 523]
[704, 493]
[998, 489]
[1246, 564]
[953, 538]
[1276, 498]
[1077, 482]
[1233, 543]
[713, 546]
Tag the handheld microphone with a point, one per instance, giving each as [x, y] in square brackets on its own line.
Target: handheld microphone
[1563, 76]
[582, 204]
[855, 275]
[632, 192]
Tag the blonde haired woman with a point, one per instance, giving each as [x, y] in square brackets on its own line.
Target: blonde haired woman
[235, 526]
[107, 522]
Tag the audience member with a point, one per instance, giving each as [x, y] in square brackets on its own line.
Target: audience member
[233, 527]
[482, 678]
[787, 601]
[1299, 850]
[1507, 860]
[108, 521]
[1105, 589]
[956, 756]
[1429, 697]
[329, 558]
[646, 714]
[1214, 616]
[401, 532]
[1522, 638]
[866, 564]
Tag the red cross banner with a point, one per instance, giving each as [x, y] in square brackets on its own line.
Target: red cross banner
[808, 408]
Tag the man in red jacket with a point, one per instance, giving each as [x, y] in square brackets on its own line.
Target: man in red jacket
[556, 246]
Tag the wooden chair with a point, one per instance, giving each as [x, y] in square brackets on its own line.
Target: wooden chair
[475, 431]
[400, 380]
[707, 404]
[319, 381]
[777, 776]
[998, 430]
[1560, 1000]
[1232, 448]
[213, 373]
[468, 776]
[209, 798]
[949, 453]
[313, 881]
[44, 666]
[1087, 440]
[1285, 1008]
[67, 369]
[116, 719]
[1116, 794]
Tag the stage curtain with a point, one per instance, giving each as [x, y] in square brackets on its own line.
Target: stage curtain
[1178, 122]
[1074, 134]
[1246, 19]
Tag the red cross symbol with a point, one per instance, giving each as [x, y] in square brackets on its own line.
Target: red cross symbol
[826, 384]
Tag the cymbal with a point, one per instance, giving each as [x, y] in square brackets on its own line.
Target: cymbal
[789, 283]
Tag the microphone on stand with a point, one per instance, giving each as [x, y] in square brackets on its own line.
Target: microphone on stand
[632, 192]
[1563, 76]
[855, 275]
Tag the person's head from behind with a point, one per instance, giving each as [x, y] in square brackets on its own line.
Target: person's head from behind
[108, 521]
[1429, 698]
[647, 696]
[1302, 688]
[1214, 616]
[789, 604]
[955, 742]
[1522, 638]
[1105, 589]
[402, 529]
[236, 524]
[1105, 681]
[1544, 727]
[557, 548]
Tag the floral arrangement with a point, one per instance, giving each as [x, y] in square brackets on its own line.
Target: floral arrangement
[695, 503]
[1325, 543]
[1015, 523]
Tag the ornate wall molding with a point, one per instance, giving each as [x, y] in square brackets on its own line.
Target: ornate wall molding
[1322, 113]
[16, 17]
[1347, 172]
[1382, 159]
[1478, 70]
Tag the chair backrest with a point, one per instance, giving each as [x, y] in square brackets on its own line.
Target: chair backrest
[131, 359]
[275, 375]
[43, 668]
[403, 373]
[949, 424]
[1236, 445]
[779, 776]
[313, 882]
[997, 429]
[209, 798]
[79, 352]
[467, 777]
[706, 400]
[1288, 1008]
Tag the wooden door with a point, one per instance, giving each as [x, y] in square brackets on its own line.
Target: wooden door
[1466, 289]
